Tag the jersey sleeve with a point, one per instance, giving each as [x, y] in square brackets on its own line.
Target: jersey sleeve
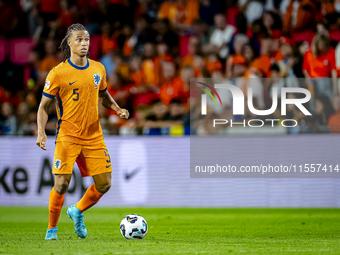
[103, 84]
[52, 84]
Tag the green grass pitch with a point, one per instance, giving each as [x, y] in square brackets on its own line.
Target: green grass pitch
[176, 231]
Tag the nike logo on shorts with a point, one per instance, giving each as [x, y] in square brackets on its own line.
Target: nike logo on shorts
[108, 166]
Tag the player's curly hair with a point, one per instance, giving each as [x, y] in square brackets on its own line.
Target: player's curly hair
[64, 45]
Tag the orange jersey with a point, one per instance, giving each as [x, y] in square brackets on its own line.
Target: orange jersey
[301, 18]
[47, 64]
[321, 66]
[108, 43]
[263, 64]
[172, 90]
[148, 70]
[238, 59]
[180, 13]
[185, 61]
[76, 90]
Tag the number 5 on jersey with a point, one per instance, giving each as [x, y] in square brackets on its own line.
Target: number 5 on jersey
[76, 94]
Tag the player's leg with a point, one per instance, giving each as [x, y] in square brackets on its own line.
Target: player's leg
[64, 158]
[96, 162]
[102, 183]
[93, 161]
[73, 212]
[56, 201]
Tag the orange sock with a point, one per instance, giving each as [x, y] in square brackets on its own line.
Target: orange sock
[55, 204]
[91, 197]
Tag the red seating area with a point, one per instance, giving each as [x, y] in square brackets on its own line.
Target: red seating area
[20, 49]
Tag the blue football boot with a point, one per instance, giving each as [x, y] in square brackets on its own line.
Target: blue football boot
[51, 234]
[77, 217]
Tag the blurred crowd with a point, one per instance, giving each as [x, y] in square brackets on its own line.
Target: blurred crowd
[152, 48]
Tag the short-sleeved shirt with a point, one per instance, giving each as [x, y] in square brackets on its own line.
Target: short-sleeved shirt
[262, 63]
[179, 13]
[76, 90]
[174, 89]
[321, 66]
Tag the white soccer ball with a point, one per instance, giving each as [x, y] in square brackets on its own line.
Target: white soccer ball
[133, 226]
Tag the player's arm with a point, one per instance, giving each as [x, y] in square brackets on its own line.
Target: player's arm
[42, 120]
[109, 103]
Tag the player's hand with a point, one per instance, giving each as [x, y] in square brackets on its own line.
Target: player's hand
[41, 141]
[123, 113]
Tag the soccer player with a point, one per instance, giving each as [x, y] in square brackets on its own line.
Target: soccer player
[77, 84]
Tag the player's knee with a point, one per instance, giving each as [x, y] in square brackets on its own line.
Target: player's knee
[104, 187]
[61, 183]
[61, 188]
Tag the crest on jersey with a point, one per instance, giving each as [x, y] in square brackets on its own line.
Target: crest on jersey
[97, 78]
[57, 163]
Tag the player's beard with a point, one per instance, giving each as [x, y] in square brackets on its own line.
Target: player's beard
[82, 54]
